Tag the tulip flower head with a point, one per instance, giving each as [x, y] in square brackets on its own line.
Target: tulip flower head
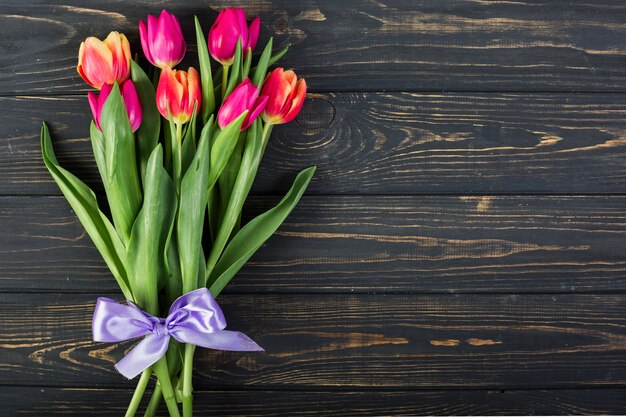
[162, 40]
[244, 97]
[104, 62]
[131, 102]
[286, 95]
[179, 91]
[229, 27]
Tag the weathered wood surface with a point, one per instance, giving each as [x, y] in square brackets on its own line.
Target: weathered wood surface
[380, 143]
[56, 402]
[460, 250]
[347, 341]
[364, 244]
[374, 45]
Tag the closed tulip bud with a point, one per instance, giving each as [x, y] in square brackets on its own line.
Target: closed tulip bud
[104, 62]
[285, 96]
[244, 97]
[131, 102]
[162, 40]
[230, 27]
[179, 91]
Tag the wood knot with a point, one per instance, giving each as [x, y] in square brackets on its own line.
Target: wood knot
[317, 113]
[280, 25]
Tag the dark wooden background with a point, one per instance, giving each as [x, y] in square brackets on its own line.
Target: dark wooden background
[461, 250]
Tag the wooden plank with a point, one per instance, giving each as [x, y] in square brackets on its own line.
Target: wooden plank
[451, 45]
[363, 244]
[31, 401]
[380, 144]
[347, 341]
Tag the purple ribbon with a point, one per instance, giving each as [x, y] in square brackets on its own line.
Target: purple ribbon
[194, 318]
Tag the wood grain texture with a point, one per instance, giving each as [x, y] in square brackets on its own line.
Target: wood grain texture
[459, 252]
[347, 341]
[26, 402]
[378, 143]
[364, 244]
[565, 45]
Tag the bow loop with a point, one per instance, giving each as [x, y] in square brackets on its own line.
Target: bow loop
[114, 322]
[194, 318]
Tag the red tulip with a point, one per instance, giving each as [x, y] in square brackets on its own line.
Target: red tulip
[131, 102]
[286, 94]
[244, 97]
[162, 40]
[180, 91]
[104, 62]
[229, 27]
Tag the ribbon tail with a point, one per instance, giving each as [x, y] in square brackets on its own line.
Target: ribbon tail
[142, 356]
[221, 340]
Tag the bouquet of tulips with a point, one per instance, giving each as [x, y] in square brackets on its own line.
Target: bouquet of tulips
[177, 152]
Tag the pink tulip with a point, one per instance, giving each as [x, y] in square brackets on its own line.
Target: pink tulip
[104, 62]
[179, 91]
[162, 40]
[244, 97]
[286, 95]
[229, 27]
[131, 102]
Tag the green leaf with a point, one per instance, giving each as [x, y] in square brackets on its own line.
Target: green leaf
[167, 145]
[261, 68]
[274, 59]
[97, 144]
[245, 70]
[212, 212]
[173, 282]
[85, 205]
[206, 76]
[148, 132]
[176, 150]
[229, 174]
[146, 252]
[188, 147]
[271, 62]
[193, 204]
[223, 146]
[124, 192]
[235, 72]
[245, 176]
[256, 232]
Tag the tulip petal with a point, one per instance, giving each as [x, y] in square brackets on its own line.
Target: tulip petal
[258, 108]
[229, 27]
[95, 111]
[97, 63]
[298, 101]
[132, 103]
[120, 53]
[253, 33]
[179, 91]
[277, 87]
[145, 41]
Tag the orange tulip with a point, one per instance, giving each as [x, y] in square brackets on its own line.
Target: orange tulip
[179, 91]
[104, 62]
[286, 95]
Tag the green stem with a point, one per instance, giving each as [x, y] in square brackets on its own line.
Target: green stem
[267, 131]
[154, 403]
[186, 375]
[162, 372]
[224, 80]
[241, 187]
[138, 394]
[178, 158]
[157, 394]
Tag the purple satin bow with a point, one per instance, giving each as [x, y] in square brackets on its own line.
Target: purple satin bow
[194, 318]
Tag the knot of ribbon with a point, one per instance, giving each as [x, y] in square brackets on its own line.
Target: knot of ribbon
[194, 318]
